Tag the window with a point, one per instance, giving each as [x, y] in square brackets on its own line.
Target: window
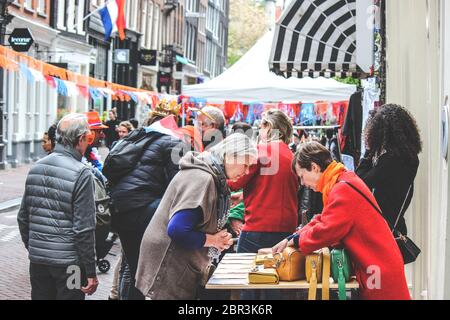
[42, 7]
[61, 25]
[70, 12]
[143, 24]
[149, 32]
[28, 4]
[156, 26]
[79, 17]
[133, 17]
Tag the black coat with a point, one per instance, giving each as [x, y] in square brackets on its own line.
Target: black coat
[389, 180]
[111, 134]
[353, 127]
[149, 180]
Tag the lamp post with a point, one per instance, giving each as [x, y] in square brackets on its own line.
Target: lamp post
[5, 19]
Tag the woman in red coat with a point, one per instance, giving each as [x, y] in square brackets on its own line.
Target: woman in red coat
[349, 220]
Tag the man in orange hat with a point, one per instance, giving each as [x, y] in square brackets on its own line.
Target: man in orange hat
[92, 155]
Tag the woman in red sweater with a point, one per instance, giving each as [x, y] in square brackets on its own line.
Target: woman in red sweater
[270, 189]
[270, 192]
[349, 220]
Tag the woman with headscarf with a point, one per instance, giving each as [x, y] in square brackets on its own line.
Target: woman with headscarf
[187, 231]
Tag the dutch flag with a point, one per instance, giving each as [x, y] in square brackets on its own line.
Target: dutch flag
[113, 18]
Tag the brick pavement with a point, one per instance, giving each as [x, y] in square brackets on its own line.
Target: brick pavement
[12, 182]
[14, 264]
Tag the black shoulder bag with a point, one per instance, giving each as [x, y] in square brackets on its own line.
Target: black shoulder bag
[410, 251]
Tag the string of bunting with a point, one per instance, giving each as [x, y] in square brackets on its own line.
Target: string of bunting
[70, 83]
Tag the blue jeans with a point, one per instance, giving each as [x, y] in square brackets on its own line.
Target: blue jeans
[124, 279]
[131, 227]
[251, 242]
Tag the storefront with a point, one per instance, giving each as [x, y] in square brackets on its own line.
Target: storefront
[100, 59]
[30, 106]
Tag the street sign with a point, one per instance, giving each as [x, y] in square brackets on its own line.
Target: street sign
[148, 57]
[21, 39]
[122, 56]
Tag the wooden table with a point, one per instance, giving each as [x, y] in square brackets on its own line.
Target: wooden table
[232, 274]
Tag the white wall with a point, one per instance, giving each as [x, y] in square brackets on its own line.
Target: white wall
[414, 80]
[445, 20]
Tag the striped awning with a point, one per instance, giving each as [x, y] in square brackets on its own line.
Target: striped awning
[316, 38]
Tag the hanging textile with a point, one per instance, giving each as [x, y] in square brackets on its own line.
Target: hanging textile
[61, 87]
[26, 72]
[339, 110]
[307, 114]
[321, 112]
[95, 94]
[84, 91]
[370, 98]
[238, 115]
[351, 133]
[230, 108]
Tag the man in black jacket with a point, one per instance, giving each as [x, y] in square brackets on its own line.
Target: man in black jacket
[57, 218]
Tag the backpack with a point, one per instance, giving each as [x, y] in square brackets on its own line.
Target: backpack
[127, 153]
[102, 200]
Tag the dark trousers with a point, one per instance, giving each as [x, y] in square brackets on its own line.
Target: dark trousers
[251, 242]
[131, 227]
[50, 283]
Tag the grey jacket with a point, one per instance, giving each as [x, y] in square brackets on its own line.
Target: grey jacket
[57, 216]
[166, 270]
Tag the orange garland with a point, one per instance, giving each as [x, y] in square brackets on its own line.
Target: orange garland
[8, 58]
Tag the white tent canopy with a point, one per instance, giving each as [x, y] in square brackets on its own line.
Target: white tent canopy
[249, 80]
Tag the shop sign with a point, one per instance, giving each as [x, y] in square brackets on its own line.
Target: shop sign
[122, 56]
[148, 57]
[21, 39]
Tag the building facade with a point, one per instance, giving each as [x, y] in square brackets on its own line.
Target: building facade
[101, 57]
[70, 48]
[169, 43]
[29, 106]
[216, 37]
[205, 40]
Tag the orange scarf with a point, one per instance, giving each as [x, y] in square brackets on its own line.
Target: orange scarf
[328, 179]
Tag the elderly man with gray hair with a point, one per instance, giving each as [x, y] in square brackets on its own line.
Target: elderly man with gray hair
[211, 123]
[57, 218]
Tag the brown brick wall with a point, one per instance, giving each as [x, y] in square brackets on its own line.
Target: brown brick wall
[19, 9]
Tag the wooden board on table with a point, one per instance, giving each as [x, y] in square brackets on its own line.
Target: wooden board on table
[232, 274]
[240, 284]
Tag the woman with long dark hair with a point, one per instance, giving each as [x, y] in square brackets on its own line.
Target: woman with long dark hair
[391, 161]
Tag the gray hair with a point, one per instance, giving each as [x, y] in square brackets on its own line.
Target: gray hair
[235, 145]
[70, 128]
[216, 114]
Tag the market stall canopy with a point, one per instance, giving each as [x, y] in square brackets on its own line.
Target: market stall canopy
[325, 38]
[249, 80]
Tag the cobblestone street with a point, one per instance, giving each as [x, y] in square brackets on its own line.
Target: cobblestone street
[14, 275]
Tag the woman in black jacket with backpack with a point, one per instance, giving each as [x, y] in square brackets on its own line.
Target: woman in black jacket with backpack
[390, 163]
[136, 195]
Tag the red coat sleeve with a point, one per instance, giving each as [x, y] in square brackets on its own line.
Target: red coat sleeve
[330, 227]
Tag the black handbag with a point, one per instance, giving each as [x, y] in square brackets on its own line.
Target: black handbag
[410, 251]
